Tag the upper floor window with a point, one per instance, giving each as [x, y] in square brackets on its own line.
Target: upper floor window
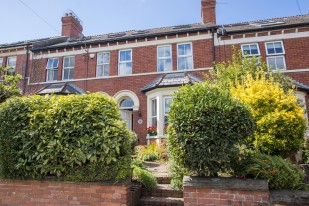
[275, 55]
[52, 69]
[11, 65]
[184, 56]
[250, 49]
[164, 58]
[1, 62]
[68, 68]
[125, 62]
[103, 64]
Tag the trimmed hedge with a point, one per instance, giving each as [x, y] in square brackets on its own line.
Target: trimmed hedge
[76, 137]
[206, 126]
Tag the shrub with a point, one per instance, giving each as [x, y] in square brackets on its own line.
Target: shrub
[205, 127]
[151, 152]
[280, 123]
[76, 137]
[280, 173]
[142, 175]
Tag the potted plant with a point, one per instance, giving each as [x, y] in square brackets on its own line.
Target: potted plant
[152, 131]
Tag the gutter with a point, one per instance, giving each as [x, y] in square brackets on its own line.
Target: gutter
[124, 38]
[266, 28]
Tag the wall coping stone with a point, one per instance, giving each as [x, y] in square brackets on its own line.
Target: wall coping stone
[290, 197]
[227, 183]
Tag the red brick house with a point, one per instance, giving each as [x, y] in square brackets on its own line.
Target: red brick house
[142, 69]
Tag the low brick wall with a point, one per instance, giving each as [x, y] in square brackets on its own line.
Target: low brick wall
[221, 191]
[64, 193]
[224, 191]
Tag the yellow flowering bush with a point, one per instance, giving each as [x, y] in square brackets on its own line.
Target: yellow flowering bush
[280, 124]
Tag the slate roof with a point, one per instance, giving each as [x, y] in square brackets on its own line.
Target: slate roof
[61, 89]
[171, 80]
[300, 86]
[255, 25]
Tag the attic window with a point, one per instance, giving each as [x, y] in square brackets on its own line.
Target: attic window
[182, 26]
[116, 35]
[266, 23]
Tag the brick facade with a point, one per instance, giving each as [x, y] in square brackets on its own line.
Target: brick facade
[210, 44]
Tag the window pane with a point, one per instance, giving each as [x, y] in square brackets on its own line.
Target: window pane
[254, 49]
[100, 58]
[129, 68]
[161, 51]
[154, 121]
[49, 63]
[127, 103]
[167, 104]
[99, 70]
[106, 70]
[280, 62]
[1, 62]
[65, 74]
[105, 58]
[167, 51]
[278, 48]
[72, 61]
[270, 48]
[154, 107]
[122, 56]
[181, 49]
[188, 49]
[161, 65]
[189, 63]
[181, 63]
[71, 73]
[168, 65]
[66, 62]
[272, 63]
[52, 74]
[12, 62]
[246, 50]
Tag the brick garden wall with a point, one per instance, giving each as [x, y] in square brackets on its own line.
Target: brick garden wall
[208, 191]
[64, 193]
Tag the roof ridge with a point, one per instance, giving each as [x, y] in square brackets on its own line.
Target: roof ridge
[260, 20]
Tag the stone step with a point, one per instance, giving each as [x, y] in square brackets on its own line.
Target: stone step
[163, 178]
[162, 190]
[160, 201]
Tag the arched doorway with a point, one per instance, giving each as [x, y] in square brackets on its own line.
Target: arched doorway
[127, 102]
[126, 111]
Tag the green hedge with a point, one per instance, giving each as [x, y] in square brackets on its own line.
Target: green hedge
[205, 128]
[76, 137]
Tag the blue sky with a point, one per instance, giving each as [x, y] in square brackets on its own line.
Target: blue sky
[107, 16]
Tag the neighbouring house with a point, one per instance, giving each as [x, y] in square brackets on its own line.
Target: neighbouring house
[142, 69]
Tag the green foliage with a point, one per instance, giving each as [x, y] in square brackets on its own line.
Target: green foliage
[151, 152]
[279, 118]
[8, 85]
[280, 173]
[76, 137]
[142, 175]
[205, 127]
[177, 173]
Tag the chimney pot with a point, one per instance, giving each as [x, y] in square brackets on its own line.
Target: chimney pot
[71, 25]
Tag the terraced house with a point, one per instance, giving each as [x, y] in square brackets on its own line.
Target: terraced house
[142, 69]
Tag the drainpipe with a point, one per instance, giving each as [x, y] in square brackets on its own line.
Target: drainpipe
[213, 46]
[25, 71]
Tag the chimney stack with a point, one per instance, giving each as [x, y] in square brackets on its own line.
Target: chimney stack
[208, 11]
[71, 25]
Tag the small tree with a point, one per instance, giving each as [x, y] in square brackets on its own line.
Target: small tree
[270, 97]
[205, 128]
[8, 85]
[280, 123]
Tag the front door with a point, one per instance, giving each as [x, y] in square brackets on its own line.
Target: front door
[126, 115]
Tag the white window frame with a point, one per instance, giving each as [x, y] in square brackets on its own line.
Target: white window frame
[53, 69]
[275, 55]
[164, 58]
[152, 114]
[103, 64]
[69, 68]
[256, 44]
[273, 42]
[8, 65]
[1, 62]
[183, 56]
[125, 62]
